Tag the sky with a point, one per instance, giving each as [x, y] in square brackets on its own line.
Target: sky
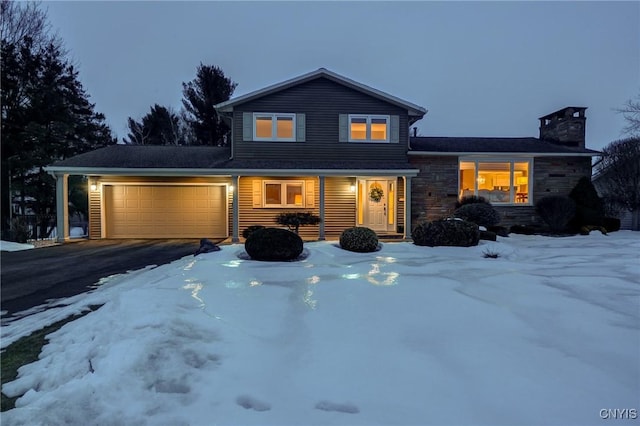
[401, 336]
[480, 68]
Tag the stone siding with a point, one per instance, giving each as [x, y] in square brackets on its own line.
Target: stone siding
[435, 189]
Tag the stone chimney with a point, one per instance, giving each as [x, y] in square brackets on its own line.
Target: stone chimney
[564, 127]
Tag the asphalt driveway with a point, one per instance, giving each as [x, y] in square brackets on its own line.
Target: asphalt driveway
[28, 278]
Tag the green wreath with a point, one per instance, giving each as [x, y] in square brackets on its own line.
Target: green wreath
[376, 193]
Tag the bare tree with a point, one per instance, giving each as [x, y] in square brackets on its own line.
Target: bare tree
[619, 178]
[22, 20]
[631, 113]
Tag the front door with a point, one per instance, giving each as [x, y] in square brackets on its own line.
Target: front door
[378, 213]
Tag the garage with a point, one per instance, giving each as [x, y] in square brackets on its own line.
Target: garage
[165, 211]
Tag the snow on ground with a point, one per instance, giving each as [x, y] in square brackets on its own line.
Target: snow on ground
[11, 246]
[548, 333]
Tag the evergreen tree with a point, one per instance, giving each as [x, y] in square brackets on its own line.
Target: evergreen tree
[209, 88]
[46, 116]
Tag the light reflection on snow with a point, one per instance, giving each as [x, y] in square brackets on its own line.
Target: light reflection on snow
[309, 300]
[190, 265]
[232, 284]
[195, 288]
[387, 259]
[254, 283]
[313, 280]
[351, 276]
[234, 263]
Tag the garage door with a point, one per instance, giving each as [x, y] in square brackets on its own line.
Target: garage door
[162, 211]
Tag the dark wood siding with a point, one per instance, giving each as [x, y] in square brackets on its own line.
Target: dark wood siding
[322, 101]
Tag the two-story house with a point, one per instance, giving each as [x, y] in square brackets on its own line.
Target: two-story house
[325, 144]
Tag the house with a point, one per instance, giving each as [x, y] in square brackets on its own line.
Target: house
[326, 144]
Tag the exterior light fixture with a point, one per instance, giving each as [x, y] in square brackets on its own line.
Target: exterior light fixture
[93, 186]
[231, 188]
[481, 179]
[353, 188]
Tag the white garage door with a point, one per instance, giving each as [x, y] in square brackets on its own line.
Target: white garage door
[161, 211]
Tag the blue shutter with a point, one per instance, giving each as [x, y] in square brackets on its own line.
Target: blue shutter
[394, 129]
[247, 126]
[343, 128]
[300, 127]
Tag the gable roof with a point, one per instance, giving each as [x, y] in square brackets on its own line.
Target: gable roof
[413, 109]
[482, 145]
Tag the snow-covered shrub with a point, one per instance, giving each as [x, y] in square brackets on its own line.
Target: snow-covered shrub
[273, 244]
[482, 214]
[248, 231]
[359, 239]
[446, 232]
[557, 211]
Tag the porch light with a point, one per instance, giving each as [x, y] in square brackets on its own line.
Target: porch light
[353, 188]
[481, 179]
[231, 188]
[93, 186]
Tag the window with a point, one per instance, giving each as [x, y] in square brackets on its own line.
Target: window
[286, 193]
[499, 181]
[274, 127]
[369, 128]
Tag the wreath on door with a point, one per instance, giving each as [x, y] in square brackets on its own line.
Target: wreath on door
[375, 192]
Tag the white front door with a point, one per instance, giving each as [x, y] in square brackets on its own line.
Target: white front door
[376, 206]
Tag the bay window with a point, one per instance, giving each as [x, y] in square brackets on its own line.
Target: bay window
[498, 181]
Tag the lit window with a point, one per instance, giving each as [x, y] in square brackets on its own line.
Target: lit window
[499, 182]
[369, 128]
[274, 127]
[283, 194]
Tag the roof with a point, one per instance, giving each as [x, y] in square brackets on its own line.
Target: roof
[149, 156]
[122, 159]
[413, 109]
[474, 145]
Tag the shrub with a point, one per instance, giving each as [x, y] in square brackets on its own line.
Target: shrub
[250, 230]
[359, 239]
[471, 199]
[19, 230]
[273, 244]
[589, 205]
[586, 230]
[556, 211]
[490, 254]
[294, 220]
[501, 231]
[524, 229]
[482, 214]
[446, 232]
[611, 224]
[488, 236]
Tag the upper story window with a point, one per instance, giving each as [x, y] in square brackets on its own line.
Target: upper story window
[375, 128]
[498, 181]
[274, 127]
[369, 128]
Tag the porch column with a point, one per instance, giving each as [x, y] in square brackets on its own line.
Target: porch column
[321, 190]
[407, 208]
[62, 207]
[235, 211]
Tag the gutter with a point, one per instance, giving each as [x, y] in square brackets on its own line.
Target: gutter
[125, 171]
[503, 154]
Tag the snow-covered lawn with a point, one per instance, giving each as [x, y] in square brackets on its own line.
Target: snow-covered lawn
[548, 333]
[11, 246]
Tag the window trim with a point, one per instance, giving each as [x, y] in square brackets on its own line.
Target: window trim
[283, 193]
[369, 117]
[274, 126]
[511, 161]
